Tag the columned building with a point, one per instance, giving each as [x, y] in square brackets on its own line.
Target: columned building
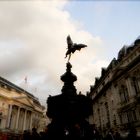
[116, 94]
[19, 110]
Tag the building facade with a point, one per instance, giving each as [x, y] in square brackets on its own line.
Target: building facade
[116, 94]
[19, 110]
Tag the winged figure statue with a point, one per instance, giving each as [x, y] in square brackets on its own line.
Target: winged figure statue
[72, 47]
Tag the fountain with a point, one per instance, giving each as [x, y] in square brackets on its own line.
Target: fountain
[69, 110]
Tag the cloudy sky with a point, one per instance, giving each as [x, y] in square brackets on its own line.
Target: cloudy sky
[33, 40]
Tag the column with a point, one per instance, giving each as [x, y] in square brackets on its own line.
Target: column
[17, 119]
[31, 121]
[9, 116]
[21, 119]
[24, 124]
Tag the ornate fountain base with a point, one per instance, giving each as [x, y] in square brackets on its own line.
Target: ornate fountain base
[69, 111]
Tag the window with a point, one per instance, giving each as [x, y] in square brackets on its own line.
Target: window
[124, 94]
[125, 117]
[132, 116]
[135, 85]
[114, 120]
[120, 116]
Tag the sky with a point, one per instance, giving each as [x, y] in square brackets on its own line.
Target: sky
[33, 40]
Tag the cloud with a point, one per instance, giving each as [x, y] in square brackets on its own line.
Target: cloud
[33, 43]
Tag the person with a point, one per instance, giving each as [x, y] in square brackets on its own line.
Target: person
[35, 135]
[95, 133]
[117, 136]
[133, 134]
[110, 136]
[26, 135]
[42, 135]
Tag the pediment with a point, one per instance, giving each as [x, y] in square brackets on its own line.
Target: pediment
[25, 101]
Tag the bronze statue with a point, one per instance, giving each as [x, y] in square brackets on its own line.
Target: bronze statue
[72, 47]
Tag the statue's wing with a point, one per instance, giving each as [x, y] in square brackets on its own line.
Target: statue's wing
[69, 42]
[79, 46]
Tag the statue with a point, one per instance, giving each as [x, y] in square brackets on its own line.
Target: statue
[68, 111]
[72, 47]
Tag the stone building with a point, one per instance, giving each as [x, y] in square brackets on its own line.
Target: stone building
[19, 110]
[116, 94]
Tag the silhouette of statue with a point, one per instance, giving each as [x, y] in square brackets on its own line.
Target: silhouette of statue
[72, 47]
[68, 111]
